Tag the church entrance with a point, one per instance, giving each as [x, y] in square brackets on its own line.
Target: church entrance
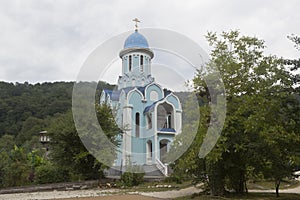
[149, 152]
[163, 149]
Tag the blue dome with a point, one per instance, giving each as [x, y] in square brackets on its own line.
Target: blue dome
[136, 40]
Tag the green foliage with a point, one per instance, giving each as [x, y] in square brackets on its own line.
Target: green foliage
[14, 168]
[173, 179]
[67, 150]
[27, 109]
[18, 102]
[261, 131]
[132, 177]
[50, 173]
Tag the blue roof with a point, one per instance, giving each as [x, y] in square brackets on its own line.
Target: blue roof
[167, 130]
[136, 40]
[149, 108]
[115, 94]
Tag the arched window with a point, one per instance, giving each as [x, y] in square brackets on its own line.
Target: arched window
[169, 120]
[137, 124]
[149, 151]
[130, 62]
[141, 59]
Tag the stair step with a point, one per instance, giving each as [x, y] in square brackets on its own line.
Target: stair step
[150, 170]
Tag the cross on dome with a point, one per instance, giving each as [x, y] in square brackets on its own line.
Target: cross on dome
[136, 20]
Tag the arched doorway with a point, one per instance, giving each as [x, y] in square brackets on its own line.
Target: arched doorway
[149, 152]
[163, 149]
[165, 116]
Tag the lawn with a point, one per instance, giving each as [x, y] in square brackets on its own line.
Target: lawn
[269, 185]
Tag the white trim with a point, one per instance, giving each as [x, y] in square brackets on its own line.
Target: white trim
[179, 103]
[135, 90]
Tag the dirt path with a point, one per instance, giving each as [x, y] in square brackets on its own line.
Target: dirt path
[116, 194]
[295, 190]
[173, 193]
[96, 194]
[116, 197]
[58, 194]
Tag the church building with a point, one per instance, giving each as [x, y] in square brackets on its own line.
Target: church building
[150, 116]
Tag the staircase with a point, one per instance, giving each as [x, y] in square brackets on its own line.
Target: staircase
[152, 172]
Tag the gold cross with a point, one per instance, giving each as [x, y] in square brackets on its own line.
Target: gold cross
[136, 20]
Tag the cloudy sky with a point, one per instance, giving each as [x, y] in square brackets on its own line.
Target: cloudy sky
[46, 40]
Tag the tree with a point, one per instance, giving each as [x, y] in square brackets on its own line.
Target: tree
[67, 150]
[15, 168]
[259, 120]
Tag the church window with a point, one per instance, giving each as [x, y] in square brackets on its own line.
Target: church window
[142, 60]
[137, 124]
[142, 63]
[168, 121]
[130, 62]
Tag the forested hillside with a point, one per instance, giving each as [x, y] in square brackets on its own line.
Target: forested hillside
[24, 105]
[25, 110]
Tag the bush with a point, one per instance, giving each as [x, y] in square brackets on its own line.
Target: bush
[49, 173]
[132, 177]
[173, 179]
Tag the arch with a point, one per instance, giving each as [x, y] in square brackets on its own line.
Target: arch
[132, 93]
[174, 100]
[153, 87]
[149, 152]
[163, 149]
[165, 116]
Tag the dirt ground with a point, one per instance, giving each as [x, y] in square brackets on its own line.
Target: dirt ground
[115, 197]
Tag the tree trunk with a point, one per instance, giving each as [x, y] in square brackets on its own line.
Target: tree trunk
[246, 188]
[277, 184]
[216, 180]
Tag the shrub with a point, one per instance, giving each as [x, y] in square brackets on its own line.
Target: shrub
[173, 179]
[49, 173]
[133, 176]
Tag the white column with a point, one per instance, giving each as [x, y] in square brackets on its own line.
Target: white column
[127, 123]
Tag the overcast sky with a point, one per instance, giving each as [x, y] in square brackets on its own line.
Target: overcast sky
[46, 40]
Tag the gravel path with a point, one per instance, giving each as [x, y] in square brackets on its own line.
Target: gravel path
[58, 194]
[292, 190]
[114, 194]
[173, 193]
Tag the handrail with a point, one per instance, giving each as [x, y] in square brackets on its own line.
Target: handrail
[163, 168]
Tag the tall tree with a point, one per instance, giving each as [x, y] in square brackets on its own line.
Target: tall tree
[259, 120]
[67, 150]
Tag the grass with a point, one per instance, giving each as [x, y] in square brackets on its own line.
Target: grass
[250, 196]
[269, 185]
